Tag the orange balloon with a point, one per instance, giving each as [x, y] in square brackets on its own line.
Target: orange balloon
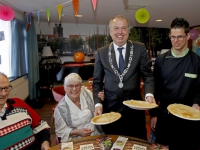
[79, 57]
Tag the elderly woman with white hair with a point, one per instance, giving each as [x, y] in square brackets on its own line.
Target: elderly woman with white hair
[74, 112]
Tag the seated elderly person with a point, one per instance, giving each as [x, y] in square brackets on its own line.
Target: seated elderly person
[74, 112]
[20, 126]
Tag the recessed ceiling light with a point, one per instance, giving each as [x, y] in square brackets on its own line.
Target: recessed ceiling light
[79, 16]
[133, 7]
[159, 20]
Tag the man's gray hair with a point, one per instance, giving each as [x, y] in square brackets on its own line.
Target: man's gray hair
[118, 16]
[4, 75]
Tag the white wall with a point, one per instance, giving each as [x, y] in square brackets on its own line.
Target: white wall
[19, 88]
[71, 29]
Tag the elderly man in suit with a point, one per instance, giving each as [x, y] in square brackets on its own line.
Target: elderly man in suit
[118, 68]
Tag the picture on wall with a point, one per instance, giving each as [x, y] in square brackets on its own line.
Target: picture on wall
[2, 36]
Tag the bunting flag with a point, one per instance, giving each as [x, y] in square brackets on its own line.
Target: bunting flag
[48, 13]
[28, 23]
[75, 5]
[59, 8]
[94, 3]
[38, 14]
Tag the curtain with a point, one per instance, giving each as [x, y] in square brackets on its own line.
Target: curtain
[18, 49]
[24, 53]
[33, 65]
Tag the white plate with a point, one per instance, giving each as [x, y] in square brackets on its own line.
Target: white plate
[185, 112]
[106, 115]
[139, 105]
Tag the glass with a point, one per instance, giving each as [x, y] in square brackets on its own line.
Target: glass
[180, 37]
[6, 89]
[77, 86]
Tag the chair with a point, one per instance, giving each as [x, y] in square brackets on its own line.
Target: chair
[58, 94]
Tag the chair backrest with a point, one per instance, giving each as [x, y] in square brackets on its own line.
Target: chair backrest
[58, 92]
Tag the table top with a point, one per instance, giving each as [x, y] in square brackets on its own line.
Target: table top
[77, 64]
[92, 140]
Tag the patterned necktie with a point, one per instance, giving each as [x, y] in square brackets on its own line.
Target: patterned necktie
[121, 60]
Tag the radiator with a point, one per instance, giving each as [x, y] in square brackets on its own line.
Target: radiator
[19, 88]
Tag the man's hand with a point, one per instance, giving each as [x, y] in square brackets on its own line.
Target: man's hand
[153, 122]
[101, 95]
[98, 111]
[150, 99]
[196, 106]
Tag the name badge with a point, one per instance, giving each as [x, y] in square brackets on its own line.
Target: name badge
[190, 75]
[67, 146]
[87, 147]
[139, 147]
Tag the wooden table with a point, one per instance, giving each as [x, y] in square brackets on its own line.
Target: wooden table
[92, 140]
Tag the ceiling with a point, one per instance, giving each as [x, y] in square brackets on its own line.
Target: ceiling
[166, 10]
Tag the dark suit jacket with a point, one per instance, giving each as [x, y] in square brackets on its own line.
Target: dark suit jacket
[140, 67]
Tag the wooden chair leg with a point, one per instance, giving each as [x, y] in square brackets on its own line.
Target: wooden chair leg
[52, 124]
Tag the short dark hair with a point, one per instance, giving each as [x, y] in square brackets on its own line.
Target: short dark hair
[180, 23]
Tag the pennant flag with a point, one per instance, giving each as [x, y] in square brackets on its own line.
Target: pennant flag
[59, 8]
[38, 14]
[75, 5]
[94, 3]
[48, 13]
[28, 23]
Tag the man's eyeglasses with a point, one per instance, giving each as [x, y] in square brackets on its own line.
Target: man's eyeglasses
[6, 89]
[77, 86]
[180, 37]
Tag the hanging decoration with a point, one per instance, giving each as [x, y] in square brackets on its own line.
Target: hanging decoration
[48, 13]
[6, 13]
[38, 14]
[75, 5]
[59, 8]
[28, 21]
[142, 15]
[94, 3]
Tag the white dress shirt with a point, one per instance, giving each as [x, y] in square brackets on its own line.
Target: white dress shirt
[117, 52]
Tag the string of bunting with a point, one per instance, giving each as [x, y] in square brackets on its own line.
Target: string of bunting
[59, 7]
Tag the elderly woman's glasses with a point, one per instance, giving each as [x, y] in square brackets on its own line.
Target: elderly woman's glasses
[77, 86]
[6, 89]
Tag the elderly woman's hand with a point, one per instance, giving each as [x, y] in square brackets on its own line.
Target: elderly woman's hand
[101, 95]
[82, 132]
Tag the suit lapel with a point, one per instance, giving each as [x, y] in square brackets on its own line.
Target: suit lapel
[127, 54]
[114, 58]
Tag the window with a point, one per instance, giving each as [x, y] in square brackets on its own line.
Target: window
[5, 48]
